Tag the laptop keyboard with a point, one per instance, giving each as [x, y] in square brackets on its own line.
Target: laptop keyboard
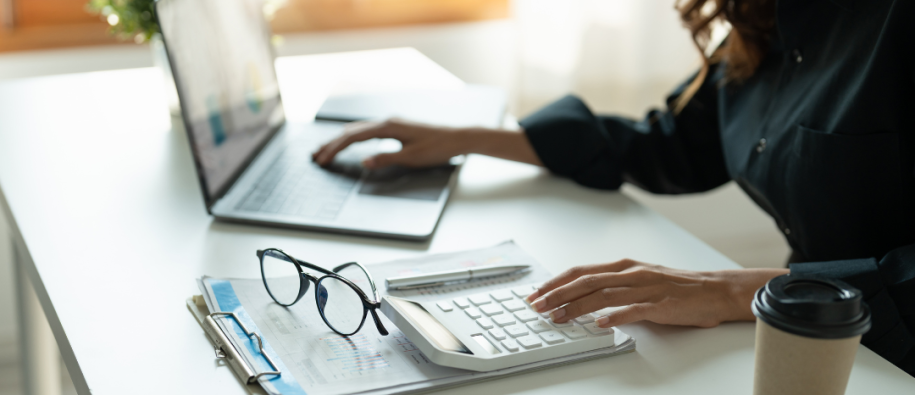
[294, 185]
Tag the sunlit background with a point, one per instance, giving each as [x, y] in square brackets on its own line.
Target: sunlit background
[621, 56]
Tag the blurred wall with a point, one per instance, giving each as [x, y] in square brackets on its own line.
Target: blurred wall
[621, 56]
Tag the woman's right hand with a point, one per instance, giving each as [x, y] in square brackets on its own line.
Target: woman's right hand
[426, 145]
[423, 145]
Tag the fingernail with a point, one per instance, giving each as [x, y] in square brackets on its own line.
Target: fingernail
[530, 298]
[539, 305]
[557, 314]
[603, 321]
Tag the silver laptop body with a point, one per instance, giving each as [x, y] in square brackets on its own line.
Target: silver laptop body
[253, 166]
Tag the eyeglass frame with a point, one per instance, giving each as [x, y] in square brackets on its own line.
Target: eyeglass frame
[368, 305]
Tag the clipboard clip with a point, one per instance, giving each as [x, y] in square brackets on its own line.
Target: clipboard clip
[225, 349]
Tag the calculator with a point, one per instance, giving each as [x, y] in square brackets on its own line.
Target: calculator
[493, 330]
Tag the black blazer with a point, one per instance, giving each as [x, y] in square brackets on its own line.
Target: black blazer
[821, 137]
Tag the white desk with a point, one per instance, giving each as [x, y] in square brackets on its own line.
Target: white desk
[111, 230]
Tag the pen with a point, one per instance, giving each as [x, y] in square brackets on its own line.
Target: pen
[440, 278]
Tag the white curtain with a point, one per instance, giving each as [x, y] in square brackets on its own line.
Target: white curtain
[621, 56]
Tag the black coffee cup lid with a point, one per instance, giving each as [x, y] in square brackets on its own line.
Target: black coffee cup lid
[812, 307]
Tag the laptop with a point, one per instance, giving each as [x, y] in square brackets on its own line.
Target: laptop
[255, 167]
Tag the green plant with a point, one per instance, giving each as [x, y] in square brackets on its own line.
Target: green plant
[129, 19]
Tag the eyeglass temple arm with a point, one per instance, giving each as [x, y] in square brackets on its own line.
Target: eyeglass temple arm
[381, 329]
[345, 265]
[371, 280]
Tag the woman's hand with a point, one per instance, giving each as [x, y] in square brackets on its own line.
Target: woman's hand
[425, 145]
[651, 292]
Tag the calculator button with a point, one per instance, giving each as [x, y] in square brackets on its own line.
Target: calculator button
[584, 319]
[504, 320]
[445, 306]
[501, 296]
[497, 334]
[510, 345]
[530, 342]
[491, 309]
[596, 330]
[552, 337]
[562, 325]
[539, 326]
[514, 305]
[480, 299]
[484, 323]
[526, 315]
[462, 303]
[516, 330]
[575, 333]
[522, 292]
[473, 313]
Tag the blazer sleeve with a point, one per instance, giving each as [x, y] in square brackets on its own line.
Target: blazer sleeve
[888, 286]
[662, 153]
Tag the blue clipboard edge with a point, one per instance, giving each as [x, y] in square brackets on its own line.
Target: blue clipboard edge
[227, 301]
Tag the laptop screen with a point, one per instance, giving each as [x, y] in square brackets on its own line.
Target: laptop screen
[223, 66]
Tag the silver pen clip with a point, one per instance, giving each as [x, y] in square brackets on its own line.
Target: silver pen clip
[415, 286]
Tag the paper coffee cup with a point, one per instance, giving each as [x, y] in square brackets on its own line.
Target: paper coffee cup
[807, 333]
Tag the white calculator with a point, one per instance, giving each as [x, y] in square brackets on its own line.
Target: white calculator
[493, 330]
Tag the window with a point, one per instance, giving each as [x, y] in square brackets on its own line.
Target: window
[303, 15]
[38, 24]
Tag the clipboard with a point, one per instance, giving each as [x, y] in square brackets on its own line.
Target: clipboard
[224, 348]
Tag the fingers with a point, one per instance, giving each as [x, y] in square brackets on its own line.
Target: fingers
[577, 272]
[625, 315]
[355, 132]
[587, 284]
[607, 297]
[385, 160]
[578, 288]
[563, 279]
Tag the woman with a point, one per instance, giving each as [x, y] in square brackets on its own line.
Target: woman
[807, 106]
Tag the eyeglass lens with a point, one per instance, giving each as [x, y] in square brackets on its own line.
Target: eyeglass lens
[340, 305]
[355, 274]
[281, 277]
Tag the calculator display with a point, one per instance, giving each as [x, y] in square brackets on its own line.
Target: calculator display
[431, 327]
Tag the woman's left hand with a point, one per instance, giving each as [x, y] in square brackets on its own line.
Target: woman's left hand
[652, 292]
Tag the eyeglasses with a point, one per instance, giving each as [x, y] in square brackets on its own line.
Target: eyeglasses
[341, 294]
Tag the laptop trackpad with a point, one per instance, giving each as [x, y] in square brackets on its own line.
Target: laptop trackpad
[402, 182]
